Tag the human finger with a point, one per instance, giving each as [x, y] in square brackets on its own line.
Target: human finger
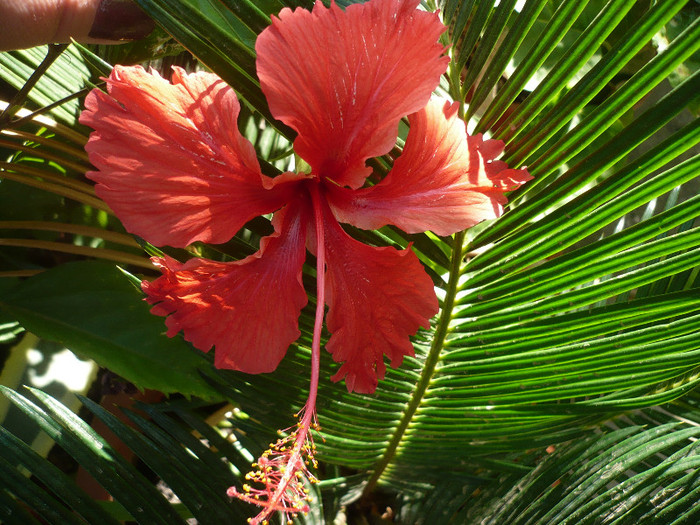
[27, 23]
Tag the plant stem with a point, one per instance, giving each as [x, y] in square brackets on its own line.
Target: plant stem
[74, 229]
[64, 186]
[99, 253]
[50, 142]
[45, 155]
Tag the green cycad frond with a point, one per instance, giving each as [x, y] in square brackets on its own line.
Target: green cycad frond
[57, 77]
[637, 469]
[642, 467]
[543, 336]
[193, 470]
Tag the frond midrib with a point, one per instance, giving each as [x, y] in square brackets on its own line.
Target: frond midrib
[429, 365]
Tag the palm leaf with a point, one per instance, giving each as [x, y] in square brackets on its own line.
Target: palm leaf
[192, 469]
[624, 474]
[49, 76]
[614, 475]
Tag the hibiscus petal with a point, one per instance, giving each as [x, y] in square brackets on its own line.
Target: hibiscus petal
[497, 171]
[247, 309]
[344, 79]
[444, 181]
[171, 162]
[377, 298]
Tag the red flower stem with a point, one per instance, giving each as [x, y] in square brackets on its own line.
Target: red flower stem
[309, 410]
[320, 299]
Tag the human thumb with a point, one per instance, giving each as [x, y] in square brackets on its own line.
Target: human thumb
[28, 23]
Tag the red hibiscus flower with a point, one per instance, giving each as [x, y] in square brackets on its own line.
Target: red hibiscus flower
[175, 169]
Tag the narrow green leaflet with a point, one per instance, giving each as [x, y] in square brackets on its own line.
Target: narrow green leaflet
[194, 471]
[191, 469]
[120, 478]
[16, 452]
[611, 478]
[67, 75]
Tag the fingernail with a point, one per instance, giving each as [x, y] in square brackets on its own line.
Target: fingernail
[120, 20]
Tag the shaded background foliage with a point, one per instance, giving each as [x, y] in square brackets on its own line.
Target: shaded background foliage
[558, 382]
